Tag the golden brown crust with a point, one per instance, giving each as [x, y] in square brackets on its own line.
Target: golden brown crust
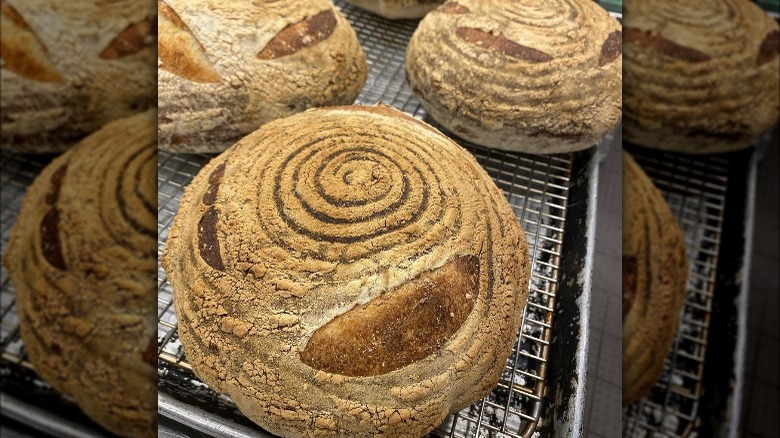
[71, 67]
[179, 51]
[132, 40]
[539, 77]
[655, 269]
[321, 219]
[21, 51]
[226, 68]
[704, 81]
[82, 260]
[399, 327]
[300, 35]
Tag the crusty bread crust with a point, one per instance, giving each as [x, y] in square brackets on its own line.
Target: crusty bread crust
[70, 67]
[347, 272]
[703, 82]
[655, 270]
[540, 76]
[226, 68]
[82, 259]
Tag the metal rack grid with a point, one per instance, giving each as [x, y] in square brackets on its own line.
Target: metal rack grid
[536, 188]
[16, 173]
[695, 189]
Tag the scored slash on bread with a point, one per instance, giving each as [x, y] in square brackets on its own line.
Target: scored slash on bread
[705, 82]
[71, 67]
[226, 68]
[347, 271]
[179, 50]
[21, 50]
[132, 40]
[537, 76]
[296, 36]
[82, 257]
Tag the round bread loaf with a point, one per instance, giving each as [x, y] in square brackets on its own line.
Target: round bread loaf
[70, 67]
[227, 67]
[702, 77]
[655, 269]
[347, 272]
[82, 257]
[537, 76]
[396, 9]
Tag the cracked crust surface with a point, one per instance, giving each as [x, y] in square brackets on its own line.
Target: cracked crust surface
[536, 76]
[82, 259]
[226, 68]
[655, 269]
[398, 9]
[70, 67]
[360, 231]
[701, 77]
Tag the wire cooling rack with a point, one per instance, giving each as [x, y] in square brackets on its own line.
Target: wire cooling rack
[16, 173]
[536, 188]
[695, 189]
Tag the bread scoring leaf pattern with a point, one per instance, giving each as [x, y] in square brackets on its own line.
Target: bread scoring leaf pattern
[179, 50]
[20, 49]
[305, 33]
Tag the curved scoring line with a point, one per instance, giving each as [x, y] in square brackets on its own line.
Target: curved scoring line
[316, 254]
[321, 190]
[138, 176]
[121, 182]
[345, 202]
[276, 240]
[339, 239]
[336, 220]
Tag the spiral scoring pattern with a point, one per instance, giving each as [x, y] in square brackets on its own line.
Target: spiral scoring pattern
[535, 76]
[354, 204]
[702, 77]
[82, 259]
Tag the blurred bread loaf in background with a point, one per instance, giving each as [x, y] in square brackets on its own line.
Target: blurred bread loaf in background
[70, 67]
[701, 76]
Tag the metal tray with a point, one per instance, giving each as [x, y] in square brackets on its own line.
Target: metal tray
[542, 388]
[699, 390]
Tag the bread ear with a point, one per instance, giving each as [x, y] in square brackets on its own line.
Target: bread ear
[21, 50]
[179, 50]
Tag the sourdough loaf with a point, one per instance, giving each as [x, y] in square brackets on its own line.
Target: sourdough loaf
[702, 77]
[538, 76]
[347, 272]
[225, 68]
[395, 9]
[82, 258]
[70, 67]
[654, 277]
